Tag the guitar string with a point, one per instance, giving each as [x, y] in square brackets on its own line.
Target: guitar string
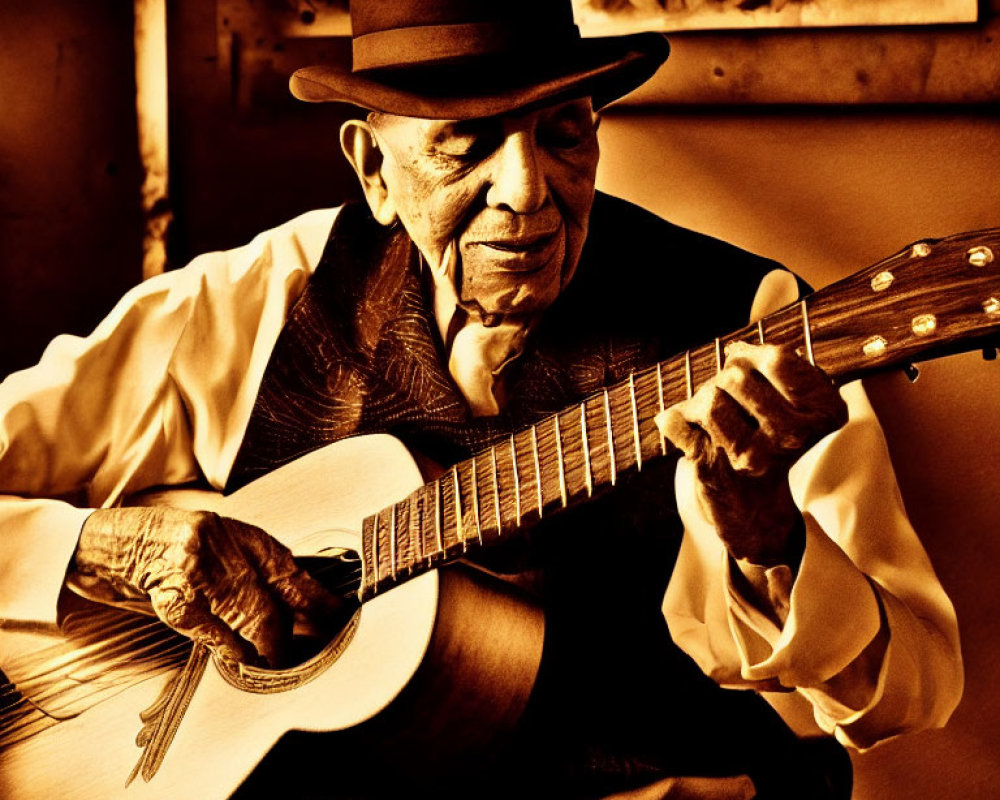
[157, 650]
[124, 630]
[53, 702]
[44, 705]
[118, 649]
[161, 639]
[28, 712]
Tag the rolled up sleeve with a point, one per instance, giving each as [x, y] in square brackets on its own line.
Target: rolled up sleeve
[158, 394]
[863, 571]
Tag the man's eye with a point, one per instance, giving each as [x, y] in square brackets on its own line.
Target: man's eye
[566, 134]
[463, 147]
[469, 145]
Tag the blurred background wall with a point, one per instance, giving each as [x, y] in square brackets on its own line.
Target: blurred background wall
[828, 192]
[827, 186]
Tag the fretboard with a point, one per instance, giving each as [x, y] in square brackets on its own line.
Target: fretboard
[929, 299]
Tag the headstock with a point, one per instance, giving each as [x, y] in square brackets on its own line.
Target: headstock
[935, 297]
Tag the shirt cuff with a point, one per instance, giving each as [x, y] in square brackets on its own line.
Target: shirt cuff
[903, 700]
[39, 539]
[832, 616]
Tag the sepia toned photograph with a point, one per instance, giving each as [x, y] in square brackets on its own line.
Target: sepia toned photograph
[450, 400]
[604, 17]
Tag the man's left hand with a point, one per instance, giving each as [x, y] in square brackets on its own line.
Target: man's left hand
[743, 430]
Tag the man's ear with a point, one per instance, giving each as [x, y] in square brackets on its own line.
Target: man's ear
[362, 151]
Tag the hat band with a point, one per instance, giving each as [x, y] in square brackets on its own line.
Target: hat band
[401, 47]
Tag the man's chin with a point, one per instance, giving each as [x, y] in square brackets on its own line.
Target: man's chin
[512, 298]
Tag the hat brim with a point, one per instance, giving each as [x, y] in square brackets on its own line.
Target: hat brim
[604, 68]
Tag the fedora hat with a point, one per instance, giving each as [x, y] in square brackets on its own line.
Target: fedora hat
[456, 59]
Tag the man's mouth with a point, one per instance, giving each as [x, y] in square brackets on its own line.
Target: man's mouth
[522, 244]
[522, 253]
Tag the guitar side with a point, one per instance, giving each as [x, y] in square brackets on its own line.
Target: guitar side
[396, 639]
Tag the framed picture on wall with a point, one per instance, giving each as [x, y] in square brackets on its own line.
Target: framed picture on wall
[612, 17]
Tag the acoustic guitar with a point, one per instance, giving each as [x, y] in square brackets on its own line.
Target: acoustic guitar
[113, 704]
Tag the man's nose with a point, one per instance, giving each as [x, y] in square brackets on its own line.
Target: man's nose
[518, 181]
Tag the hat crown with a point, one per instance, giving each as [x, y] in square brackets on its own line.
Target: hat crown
[372, 16]
[410, 33]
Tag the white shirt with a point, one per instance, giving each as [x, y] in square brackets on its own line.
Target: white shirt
[161, 393]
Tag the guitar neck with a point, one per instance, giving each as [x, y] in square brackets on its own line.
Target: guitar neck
[932, 298]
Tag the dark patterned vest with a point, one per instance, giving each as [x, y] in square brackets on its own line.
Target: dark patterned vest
[360, 353]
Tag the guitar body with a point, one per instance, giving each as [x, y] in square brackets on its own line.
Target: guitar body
[466, 645]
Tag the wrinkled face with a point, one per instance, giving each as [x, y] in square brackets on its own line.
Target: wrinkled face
[508, 197]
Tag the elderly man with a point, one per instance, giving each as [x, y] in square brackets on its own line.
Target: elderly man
[482, 287]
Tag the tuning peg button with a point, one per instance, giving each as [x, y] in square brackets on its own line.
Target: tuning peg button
[923, 324]
[979, 256]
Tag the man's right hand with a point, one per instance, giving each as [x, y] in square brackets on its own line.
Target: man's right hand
[221, 582]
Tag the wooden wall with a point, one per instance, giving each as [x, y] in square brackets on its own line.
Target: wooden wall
[70, 222]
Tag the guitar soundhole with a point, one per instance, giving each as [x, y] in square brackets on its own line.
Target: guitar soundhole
[310, 653]
[341, 575]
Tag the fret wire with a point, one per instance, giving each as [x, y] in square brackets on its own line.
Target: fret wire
[588, 475]
[517, 480]
[459, 513]
[379, 527]
[688, 377]
[807, 332]
[496, 490]
[718, 355]
[475, 500]
[373, 572]
[438, 527]
[760, 330]
[392, 541]
[635, 422]
[659, 391]
[559, 459]
[375, 550]
[416, 520]
[538, 468]
[611, 438]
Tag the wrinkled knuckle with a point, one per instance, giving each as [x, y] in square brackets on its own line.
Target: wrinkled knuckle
[674, 424]
[290, 588]
[281, 559]
[721, 400]
[200, 528]
[739, 348]
[246, 626]
[732, 377]
[173, 606]
[239, 530]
